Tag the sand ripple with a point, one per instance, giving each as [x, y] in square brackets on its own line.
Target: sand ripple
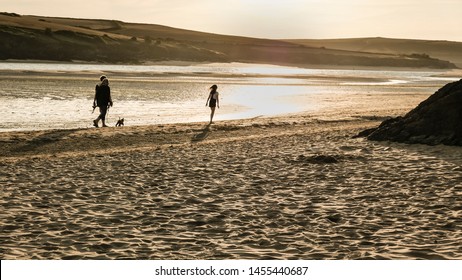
[254, 198]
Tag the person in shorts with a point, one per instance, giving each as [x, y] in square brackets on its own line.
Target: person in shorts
[213, 101]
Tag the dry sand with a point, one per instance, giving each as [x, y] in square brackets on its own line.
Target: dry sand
[281, 188]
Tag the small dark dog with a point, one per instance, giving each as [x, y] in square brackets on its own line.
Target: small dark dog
[120, 122]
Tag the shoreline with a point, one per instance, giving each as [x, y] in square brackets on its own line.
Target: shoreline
[198, 63]
[77, 141]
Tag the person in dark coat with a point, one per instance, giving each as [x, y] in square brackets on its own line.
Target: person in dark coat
[102, 100]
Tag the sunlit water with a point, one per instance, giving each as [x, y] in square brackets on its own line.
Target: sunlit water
[55, 95]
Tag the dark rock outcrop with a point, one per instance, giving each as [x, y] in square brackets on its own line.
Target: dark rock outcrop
[437, 120]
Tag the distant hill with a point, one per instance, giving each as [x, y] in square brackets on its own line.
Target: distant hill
[111, 41]
[444, 50]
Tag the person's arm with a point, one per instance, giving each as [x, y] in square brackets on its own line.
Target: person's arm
[110, 98]
[218, 100]
[94, 100]
[207, 102]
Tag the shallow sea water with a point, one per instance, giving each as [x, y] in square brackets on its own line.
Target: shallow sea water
[59, 96]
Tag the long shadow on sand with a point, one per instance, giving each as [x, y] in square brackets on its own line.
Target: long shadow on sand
[44, 140]
[202, 135]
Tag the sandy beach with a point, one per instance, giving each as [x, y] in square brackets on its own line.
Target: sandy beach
[293, 187]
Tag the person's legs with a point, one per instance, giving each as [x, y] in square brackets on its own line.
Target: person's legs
[102, 117]
[95, 122]
[212, 109]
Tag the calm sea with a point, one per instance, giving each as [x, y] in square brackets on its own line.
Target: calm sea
[59, 95]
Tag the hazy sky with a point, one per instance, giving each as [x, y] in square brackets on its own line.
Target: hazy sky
[414, 19]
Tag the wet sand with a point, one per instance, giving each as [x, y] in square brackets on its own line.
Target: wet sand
[294, 187]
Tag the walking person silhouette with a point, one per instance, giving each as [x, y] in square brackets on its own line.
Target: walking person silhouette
[213, 101]
[102, 100]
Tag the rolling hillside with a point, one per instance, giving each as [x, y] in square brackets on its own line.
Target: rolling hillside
[444, 50]
[111, 41]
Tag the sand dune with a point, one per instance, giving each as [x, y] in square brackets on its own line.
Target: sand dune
[284, 188]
